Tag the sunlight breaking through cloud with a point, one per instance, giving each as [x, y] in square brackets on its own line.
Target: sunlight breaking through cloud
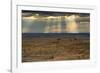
[72, 26]
[55, 23]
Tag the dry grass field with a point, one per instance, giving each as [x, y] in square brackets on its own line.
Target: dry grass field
[55, 48]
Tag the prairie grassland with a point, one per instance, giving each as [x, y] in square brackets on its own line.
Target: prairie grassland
[55, 49]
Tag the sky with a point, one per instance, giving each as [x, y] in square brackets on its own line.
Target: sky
[55, 22]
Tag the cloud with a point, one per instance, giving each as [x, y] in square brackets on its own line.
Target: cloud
[55, 24]
[26, 14]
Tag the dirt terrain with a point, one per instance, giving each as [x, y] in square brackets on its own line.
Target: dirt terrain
[55, 49]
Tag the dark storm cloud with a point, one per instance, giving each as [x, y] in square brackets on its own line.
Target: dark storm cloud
[26, 14]
[51, 13]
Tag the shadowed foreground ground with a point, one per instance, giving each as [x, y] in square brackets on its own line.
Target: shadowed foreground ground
[55, 48]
